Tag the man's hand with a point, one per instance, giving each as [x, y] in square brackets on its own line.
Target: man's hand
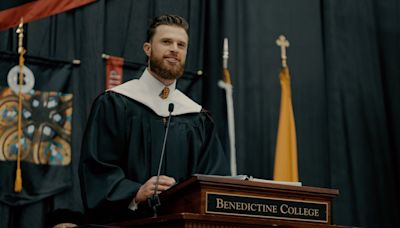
[147, 189]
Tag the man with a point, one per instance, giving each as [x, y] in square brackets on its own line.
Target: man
[124, 136]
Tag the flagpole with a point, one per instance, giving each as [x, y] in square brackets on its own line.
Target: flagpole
[286, 162]
[21, 51]
[226, 84]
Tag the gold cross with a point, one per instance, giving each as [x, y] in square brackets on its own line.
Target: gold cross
[283, 43]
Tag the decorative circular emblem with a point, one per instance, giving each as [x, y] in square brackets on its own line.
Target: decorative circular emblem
[29, 79]
[46, 127]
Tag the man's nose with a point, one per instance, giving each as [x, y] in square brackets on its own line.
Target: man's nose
[174, 47]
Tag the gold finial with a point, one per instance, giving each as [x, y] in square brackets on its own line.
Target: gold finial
[283, 43]
[20, 32]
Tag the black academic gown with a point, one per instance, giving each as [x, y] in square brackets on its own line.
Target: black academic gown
[122, 147]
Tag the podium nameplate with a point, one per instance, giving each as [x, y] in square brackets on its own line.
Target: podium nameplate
[266, 207]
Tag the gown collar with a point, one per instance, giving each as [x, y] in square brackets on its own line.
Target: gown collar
[154, 85]
[146, 90]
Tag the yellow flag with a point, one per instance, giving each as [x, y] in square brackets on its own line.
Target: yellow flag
[285, 168]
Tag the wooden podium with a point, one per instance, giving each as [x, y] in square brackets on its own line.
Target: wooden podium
[213, 201]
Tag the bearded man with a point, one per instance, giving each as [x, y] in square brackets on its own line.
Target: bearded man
[123, 140]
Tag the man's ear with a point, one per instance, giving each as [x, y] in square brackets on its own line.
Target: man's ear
[147, 48]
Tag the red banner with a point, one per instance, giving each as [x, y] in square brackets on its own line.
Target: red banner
[114, 71]
[11, 13]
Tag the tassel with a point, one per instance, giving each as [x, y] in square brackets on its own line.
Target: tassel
[18, 181]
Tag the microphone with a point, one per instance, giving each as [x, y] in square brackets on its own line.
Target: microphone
[154, 200]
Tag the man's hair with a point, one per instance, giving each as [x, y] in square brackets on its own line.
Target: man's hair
[172, 20]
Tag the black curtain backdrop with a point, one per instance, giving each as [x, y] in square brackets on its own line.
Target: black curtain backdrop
[362, 84]
[345, 84]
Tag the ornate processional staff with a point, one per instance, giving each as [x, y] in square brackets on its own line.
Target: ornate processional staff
[285, 167]
[226, 84]
[21, 51]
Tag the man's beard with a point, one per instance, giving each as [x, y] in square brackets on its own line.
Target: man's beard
[169, 72]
